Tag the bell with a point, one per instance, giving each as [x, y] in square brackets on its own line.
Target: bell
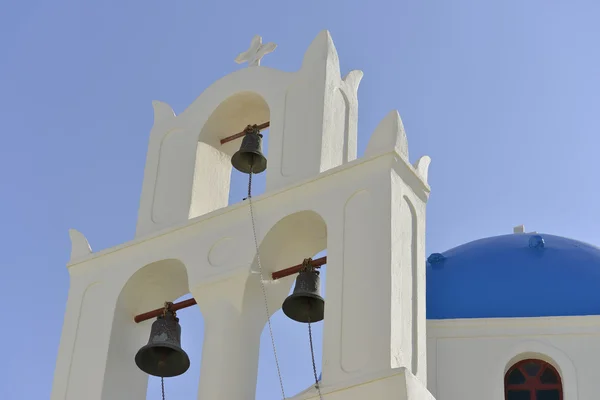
[249, 158]
[305, 304]
[163, 355]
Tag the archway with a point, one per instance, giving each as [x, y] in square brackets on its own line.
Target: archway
[289, 242]
[213, 175]
[148, 288]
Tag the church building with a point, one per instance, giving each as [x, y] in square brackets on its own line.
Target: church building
[510, 317]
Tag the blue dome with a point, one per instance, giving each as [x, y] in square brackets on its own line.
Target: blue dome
[517, 275]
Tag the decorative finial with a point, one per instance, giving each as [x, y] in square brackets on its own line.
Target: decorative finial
[435, 258]
[536, 242]
[80, 246]
[519, 229]
[256, 51]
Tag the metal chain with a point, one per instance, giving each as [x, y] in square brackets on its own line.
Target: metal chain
[262, 284]
[314, 365]
[162, 385]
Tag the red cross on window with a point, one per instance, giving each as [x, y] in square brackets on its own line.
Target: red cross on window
[532, 380]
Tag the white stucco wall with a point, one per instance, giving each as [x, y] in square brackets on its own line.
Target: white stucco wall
[369, 214]
[352, 215]
[467, 359]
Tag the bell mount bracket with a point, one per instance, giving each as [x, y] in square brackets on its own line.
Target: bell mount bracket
[307, 266]
[238, 135]
[168, 310]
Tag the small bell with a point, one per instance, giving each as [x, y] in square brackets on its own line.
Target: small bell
[249, 158]
[305, 304]
[163, 355]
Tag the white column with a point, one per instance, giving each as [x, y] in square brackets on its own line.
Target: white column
[368, 324]
[83, 350]
[229, 354]
[230, 350]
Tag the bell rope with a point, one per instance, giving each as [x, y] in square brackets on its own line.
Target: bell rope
[262, 284]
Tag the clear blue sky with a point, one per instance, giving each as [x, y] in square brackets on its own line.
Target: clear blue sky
[503, 96]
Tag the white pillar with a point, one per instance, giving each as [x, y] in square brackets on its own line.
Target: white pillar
[230, 350]
[229, 355]
[370, 326]
[84, 342]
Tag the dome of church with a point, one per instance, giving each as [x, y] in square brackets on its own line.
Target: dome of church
[516, 275]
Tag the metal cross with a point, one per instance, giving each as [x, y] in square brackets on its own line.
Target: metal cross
[256, 51]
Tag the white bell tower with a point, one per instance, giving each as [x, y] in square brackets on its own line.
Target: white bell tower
[369, 213]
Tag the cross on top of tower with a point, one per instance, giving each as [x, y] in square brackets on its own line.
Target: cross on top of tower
[256, 51]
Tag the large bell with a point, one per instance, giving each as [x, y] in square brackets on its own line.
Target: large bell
[163, 355]
[249, 158]
[305, 304]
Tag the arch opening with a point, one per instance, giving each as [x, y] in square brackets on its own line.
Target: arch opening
[148, 288]
[213, 173]
[533, 379]
[289, 242]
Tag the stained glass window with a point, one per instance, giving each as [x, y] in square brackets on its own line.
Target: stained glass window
[532, 380]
